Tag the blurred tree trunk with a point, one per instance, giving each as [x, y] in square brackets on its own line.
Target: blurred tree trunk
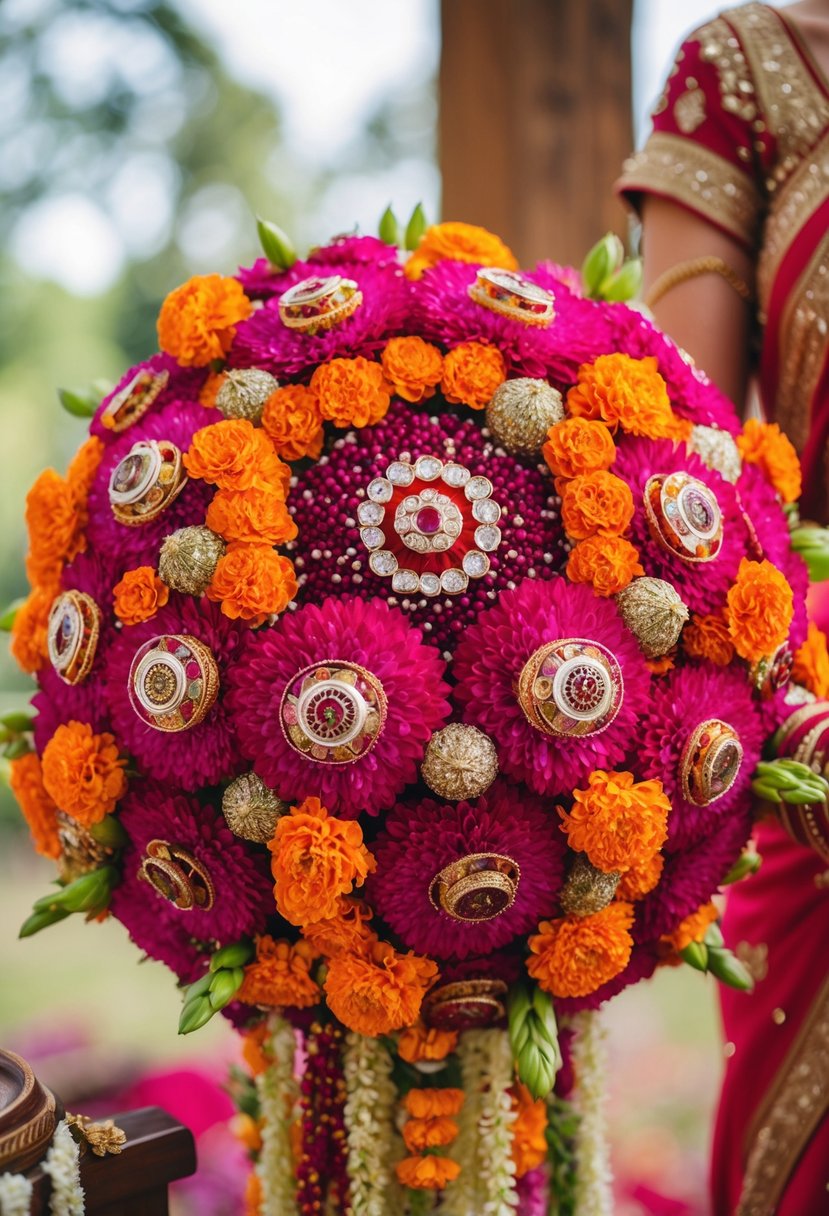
[535, 119]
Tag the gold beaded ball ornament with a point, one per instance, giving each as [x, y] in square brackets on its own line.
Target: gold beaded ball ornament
[251, 809]
[654, 613]
[460, 762]
[587, 890]
[188, 559]
[521, 413]
[244, 392]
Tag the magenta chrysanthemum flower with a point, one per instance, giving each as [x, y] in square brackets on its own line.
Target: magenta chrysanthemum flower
[263, 341]
[261, 280]
[57, 703]
[678, 704]
[123, 546]
[206, 753]
[183, 384]
[492, 655]
[702, 585]
[338, 701]
[242, 899]
[506, 965]
[331, 559]
[418, 843]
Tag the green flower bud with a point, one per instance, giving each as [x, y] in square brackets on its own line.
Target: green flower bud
[81, 404]
[236, 955]
[812, 543]
[276, 244]
[624, 284]
[789, 781]
[41, 919]
[8, 617]
[714, 939]
[415, 228]
[224, 986]
[695, 955]
[747, 863]
[729, 970]
[199, 988]
[389, 228]
[533, 1038]
[606, 256]
[109, 833]
[88, 893]
[16, 748]
[17, 721]
[195, 1014]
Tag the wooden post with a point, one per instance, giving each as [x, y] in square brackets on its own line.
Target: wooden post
[535, 120]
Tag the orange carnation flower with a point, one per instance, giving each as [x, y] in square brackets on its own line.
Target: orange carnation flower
[596, 503]
[198, 320]
[293, 422]
[351, 392]
[55, 524]
[529, 1142]
[28, 641]
[461, 243]
[419, 1042]
[471, 373]
[430, 1173]
[236, 455]
[347, 931]
[811, 663]
[764, 444]
[608, 562]
[83, 773]
[626, 392]
[640, 880]
[760, 610]
[82, 469]
[708, 637]
[209, 391]
[251, 516]
[252, 582]
[419, 1134]
[379, 992]
[280, 975]
[575, 955]
[616, 821]
[139, 595]
[39, 811]
[316, 859]
[412, 367]
[578, 445]
[693, 928]
[433, 1103]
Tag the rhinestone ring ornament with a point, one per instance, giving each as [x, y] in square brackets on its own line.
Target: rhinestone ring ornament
[319, 303]
[173, 682]
[72, 635]
[133, 401]
[333, 712]
[684, 516]
[571, 687]
[513, 295]
[465, 1004]
[710, 762]
[769, 675]
[146, 481]
[177, 876]
[477, 887]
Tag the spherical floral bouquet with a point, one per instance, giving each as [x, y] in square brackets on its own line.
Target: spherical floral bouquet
[407, 634]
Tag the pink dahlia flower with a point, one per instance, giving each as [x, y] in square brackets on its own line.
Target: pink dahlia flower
[341, 255]
[264, 691]
[418, 842]
[492, 655]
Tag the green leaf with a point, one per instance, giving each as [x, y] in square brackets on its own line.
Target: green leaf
[415, 228]
[17, 720]
[16, 748]
[695, 955]
[389, 227]
[729, 970]
[276, 244]
[41, 919]
[239, 954]
[78, 404]
[9, 614]
[747, 864]
[606, 256]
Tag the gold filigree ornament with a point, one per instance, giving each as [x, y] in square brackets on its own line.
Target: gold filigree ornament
[173, 682]
[476, 888]
[718, 450]
[177, 876]
[710, 762]
[244, 392]
[72, 635]
[146, 481]
[513, 295]
[460, 762]
[102, 1136]
[521, 413]
[319, 303]
[654, 612]
[188, 559]
[587, 889]
[251, 809]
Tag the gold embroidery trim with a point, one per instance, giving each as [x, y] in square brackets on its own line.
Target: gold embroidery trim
[786, 1122]
[719, 47]
[701, 180]
[803, 344]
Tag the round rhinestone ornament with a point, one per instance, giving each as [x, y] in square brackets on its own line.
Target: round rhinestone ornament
[571, 688]
[173, 682]
[333, 712]
[684, 517]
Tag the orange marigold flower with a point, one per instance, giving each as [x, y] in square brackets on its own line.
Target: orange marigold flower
[640, 880]
[55, 524]
[608, 562]
[575, 955]
[693, 928]
[252, 582]
[247, 1131]
[293, 421]
[760, 610]
[28, 641]
[346, 931]
[316, 859]
[433, 1103]
[139, 595]
[764, 444]
[254, 1195]
[596, 503]
[209, 391]
[811, 663]
[461, 243]
[626, 392]
[412, 367]
[351, 392]
[82, 469]
[429, 1173]
[198, 320]
[83, 773]
[419, 1042]
[529, 1142]
[280, 975]
[578, 445]
[662, 665]
[236, 455]
[616, 821]
[252, 516]
[708, 637]
[253, 1042]
[379, 992]
[419, 1134]
[471, 374]
[39, 811]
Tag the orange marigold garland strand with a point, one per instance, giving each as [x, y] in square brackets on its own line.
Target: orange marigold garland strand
[429, 1129]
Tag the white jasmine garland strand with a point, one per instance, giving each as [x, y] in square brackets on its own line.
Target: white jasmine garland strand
[465, 1194]
[62, 1166]
[15, 1195]
[278, 1092]
[373, 1143]
[594, 1195]
[495, 1162]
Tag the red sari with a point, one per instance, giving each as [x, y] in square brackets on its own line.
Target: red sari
[741, 138]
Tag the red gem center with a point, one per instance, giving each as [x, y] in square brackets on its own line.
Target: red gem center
[428, 520]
